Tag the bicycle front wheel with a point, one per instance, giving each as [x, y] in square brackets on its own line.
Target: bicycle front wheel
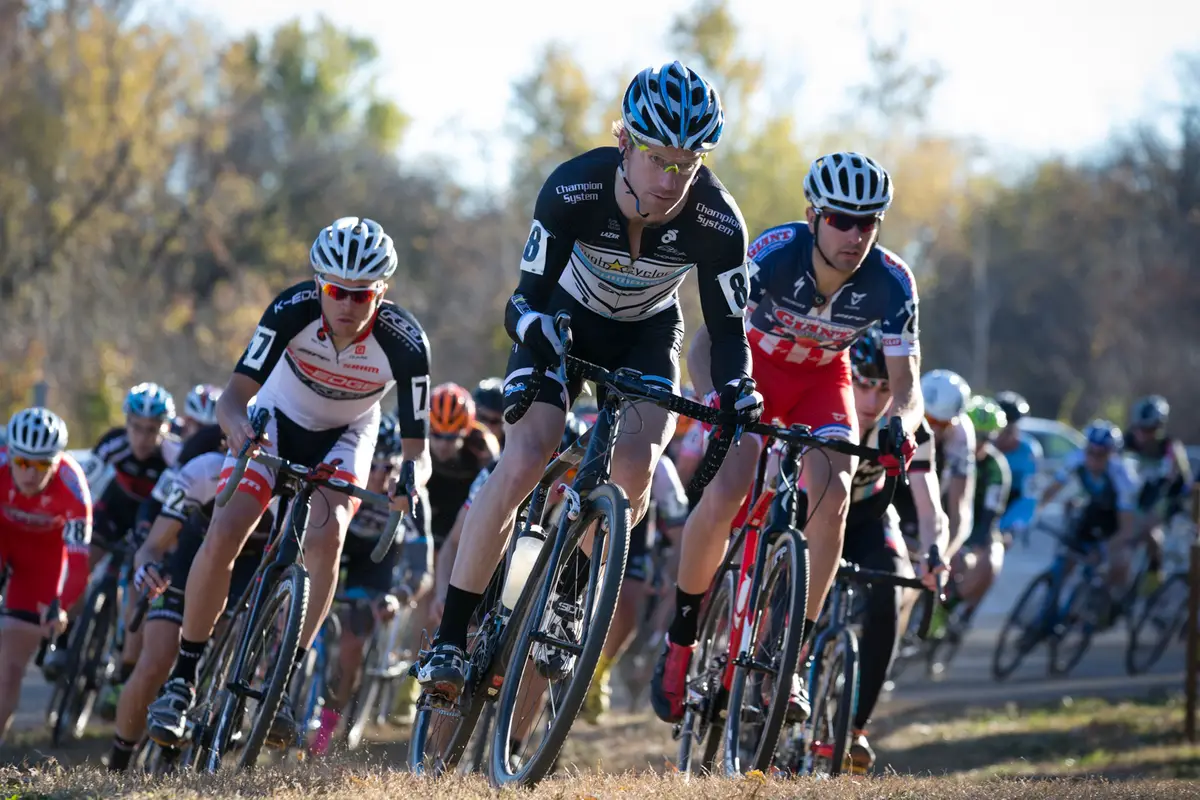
[605, 509]
[835, 681]
[762, 682]
[1163, 616]
[273, 642]
[79, 685]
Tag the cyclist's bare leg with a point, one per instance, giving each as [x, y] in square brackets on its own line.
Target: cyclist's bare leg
[706, 532]
[208, 581]
[322, 552]
[151, 672]
[826, 526]
[18, 641]
[528, 446]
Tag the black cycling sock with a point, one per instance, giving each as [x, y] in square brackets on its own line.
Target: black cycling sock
[687, 618]
[460, 605]
[60, 643]
[122, 752]
[187, 660]
[301, 652]
[125, 672]
[573, 579]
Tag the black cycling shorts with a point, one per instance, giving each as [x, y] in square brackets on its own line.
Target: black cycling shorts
[364, 575]
[650, 346]
[169, 605]
[637, 563]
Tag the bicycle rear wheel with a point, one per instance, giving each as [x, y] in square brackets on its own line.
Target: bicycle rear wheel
[761, 687]
[442, 729]
[607, 508]
[702, 718]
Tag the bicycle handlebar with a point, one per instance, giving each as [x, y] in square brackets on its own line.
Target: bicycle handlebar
[310, 475]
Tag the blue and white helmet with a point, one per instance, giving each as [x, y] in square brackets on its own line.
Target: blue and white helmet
[850, 183]
[354, 249]
[37, 433]
[672, 106]
[1102, 433]
[150, 400]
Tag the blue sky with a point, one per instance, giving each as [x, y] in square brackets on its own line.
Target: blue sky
[1028, 77]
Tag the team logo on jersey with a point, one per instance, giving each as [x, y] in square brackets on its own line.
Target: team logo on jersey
[770, 241]
[669, 236]
[798, 286]
[857, 297]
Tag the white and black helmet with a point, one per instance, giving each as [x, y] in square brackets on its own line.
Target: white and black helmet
[354, 249]
[848, 182]
[201, 403]
[672, 106]
[946, 394]
[37, 433]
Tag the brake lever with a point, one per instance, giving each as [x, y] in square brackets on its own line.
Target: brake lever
[897, 439]
[562, 326]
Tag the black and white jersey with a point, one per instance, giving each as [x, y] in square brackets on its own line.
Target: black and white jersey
[292, 355]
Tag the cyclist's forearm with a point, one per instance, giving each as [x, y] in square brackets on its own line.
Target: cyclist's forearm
[907, 402]
[163, 536]
[932, 525]
[231, 407]
[958, 509]
[699, 361]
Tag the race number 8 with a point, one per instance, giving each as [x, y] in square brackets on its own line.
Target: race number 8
[735, 283]
[533, 259]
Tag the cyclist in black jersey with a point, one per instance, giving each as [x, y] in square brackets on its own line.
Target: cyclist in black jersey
[1164, 476]
[322, 358]
[135, 454]
[873, 536]
[615, 232]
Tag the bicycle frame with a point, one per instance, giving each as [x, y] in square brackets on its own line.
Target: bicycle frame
[775, 507]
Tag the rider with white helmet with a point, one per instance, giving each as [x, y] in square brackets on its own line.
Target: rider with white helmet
[817, 285]
[323, 356]
[946, 398]
[45, 525]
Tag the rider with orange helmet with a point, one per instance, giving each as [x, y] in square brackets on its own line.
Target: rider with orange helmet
[460, 447]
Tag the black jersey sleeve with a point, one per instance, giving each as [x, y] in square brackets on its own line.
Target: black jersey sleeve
[407, 348]
[287, 315]
[111, 445]
[724, 282]
[548, 248]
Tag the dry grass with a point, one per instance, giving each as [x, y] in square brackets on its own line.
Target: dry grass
[1084, 749]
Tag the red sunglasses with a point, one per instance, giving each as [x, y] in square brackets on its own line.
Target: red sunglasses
[844, 222]
[361, 296]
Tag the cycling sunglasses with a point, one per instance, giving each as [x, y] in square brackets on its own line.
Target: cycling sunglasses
[361, 296]
[844, 222]
[41, 465]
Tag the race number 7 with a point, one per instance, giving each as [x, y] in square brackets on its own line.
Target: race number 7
[735, 284]
[260, 347]
[420, 397]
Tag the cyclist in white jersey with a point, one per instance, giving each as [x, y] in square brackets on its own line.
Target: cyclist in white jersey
[324, 354]
[946, 397]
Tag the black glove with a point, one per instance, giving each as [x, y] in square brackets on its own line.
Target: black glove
[741, 402]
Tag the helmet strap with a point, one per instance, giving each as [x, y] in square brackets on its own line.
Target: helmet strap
[637, 203]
